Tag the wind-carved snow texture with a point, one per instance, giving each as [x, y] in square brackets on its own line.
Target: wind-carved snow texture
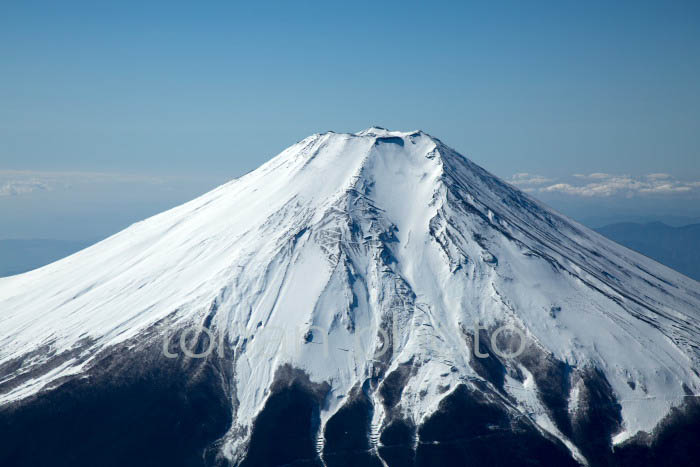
[352, 286]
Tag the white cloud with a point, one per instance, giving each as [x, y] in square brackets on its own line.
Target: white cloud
[21, 187]
[47, 176]
[25, 182]
[593, 176]
[667, 188]
[526, 179]
[600, 184]
[604, 188]
[658, 176]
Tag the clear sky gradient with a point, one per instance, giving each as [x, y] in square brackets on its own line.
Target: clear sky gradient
[211, 90]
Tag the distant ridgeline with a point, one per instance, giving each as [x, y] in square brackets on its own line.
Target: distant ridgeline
[676, 247]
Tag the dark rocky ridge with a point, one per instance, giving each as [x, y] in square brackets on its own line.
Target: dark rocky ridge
[138, 409]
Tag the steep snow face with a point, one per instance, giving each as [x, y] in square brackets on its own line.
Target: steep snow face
[356, 256]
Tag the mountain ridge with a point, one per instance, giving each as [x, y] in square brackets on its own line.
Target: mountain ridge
[675, 247]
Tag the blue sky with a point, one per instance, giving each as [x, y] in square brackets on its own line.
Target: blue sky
[186, 95]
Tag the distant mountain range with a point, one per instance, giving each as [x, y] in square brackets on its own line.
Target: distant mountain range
[599, 222]
[676, 247]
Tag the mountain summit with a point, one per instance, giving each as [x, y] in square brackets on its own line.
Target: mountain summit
[372, 298]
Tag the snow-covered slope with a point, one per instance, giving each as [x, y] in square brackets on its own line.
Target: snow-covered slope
[364, 262]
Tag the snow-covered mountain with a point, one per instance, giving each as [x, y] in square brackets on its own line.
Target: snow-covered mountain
[331, 299]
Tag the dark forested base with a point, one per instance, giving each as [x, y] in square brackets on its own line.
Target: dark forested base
[468, 430]
[127, 413]
[676, 444]
[163, 413]
[284, 431]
